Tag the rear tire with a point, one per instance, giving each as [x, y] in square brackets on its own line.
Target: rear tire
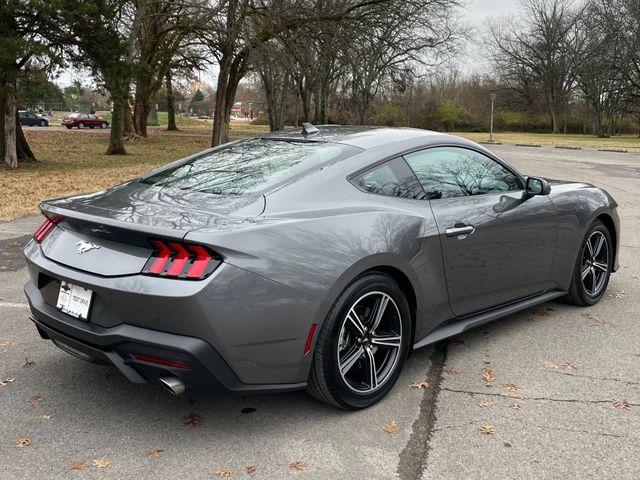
[354, 337]
[103, 125]
[43, 123]
[69, 127]
[81, 126]
[592, 269]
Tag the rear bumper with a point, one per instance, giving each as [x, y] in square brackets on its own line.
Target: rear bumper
[119, 345]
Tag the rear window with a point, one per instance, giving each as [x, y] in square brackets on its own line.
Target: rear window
[250, 166]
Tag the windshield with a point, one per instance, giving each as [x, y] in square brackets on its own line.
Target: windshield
[249, 166]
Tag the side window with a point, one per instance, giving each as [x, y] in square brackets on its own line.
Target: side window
[393, 178]
[448, 172]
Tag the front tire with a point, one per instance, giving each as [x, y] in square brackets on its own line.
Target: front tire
[43, 123]
[103, 125]
[362, 345]
[593, 266]
[81, 126]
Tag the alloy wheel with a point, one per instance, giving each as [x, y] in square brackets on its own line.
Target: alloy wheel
[369, 342]
[595, 263]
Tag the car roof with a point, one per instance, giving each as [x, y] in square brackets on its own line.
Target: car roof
[364, 137]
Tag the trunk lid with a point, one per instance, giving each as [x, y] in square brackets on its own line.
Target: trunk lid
[107, 233]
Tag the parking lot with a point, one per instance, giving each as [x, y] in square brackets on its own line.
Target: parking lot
[552, 392]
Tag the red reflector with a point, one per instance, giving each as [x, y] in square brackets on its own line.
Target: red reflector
[179, 261]
[200, 262]
[161, 257]
[307, 345]
[160, 361]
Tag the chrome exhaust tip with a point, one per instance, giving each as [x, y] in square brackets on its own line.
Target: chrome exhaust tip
[174, 385]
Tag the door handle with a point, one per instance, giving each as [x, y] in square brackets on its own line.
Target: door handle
[460, 231]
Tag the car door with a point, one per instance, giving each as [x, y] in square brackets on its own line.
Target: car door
[498, 245]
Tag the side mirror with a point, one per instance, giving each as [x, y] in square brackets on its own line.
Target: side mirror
[537, 186]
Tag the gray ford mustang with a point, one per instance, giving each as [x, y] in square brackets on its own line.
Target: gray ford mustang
[317, 259]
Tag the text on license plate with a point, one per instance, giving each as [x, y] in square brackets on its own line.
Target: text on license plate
[74, 300]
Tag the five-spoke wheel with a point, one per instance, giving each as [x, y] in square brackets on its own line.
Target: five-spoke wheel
[370, 340]
[593, 266]
[362, 344]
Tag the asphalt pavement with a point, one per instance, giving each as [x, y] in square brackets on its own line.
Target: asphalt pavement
[552, 392]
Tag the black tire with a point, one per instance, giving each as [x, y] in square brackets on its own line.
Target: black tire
[80, 126]
[43, 123]
[103, 125]
[326, 382]
[585, 293]
[69, 127]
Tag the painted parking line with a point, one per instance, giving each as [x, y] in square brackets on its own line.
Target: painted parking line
[13, 305]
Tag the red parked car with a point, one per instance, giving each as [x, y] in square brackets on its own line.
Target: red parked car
[82, 120]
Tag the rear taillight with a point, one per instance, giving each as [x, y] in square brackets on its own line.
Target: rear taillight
[181, 260]
[44, 230]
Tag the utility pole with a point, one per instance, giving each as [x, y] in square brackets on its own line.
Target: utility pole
[492, 97]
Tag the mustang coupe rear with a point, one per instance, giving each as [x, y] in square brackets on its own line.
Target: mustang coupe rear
[315, 259]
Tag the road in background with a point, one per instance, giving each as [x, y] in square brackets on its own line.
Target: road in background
[561, 391]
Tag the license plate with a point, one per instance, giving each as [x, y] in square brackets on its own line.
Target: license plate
[74, 300]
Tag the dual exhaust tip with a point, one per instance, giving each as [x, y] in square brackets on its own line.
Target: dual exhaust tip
[174, 385]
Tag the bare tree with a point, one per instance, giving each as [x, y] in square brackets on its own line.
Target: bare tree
[541, 49]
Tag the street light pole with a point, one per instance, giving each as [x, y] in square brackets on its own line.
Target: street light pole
[492, 97]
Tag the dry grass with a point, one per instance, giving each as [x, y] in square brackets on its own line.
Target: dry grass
[74, 162]
[625, 142]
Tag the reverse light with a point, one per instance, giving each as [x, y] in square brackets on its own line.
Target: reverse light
[181, 260]
[50, 222]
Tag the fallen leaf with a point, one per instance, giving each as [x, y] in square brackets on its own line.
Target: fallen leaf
[7, 343]
[543, 311]
[571, 366]
[420, 385]
[101, 463]
[78, 464]
[193, 420]
[298, 465]
[515, 406]
[155, 453]
[35, 399]
[622, 406]
[45, 417]
[635, 276]
[487, 429]
[390, 427]
[511, 387]
[597, 321]
[23, 442]
[620, 294]
[6, 381]
[485, 404]
[550, 365]
[452, 370]
[250, 469]
[28, 363]
[487, 375]
[223, 472]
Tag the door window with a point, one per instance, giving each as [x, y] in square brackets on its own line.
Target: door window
[449, 172]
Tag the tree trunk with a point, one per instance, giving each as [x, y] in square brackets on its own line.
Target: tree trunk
[141, 112]
[220, 129]
[171, 104]
[152, 118]
[10, 114]
[23, 150]
[129, 130]
[116, 138]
